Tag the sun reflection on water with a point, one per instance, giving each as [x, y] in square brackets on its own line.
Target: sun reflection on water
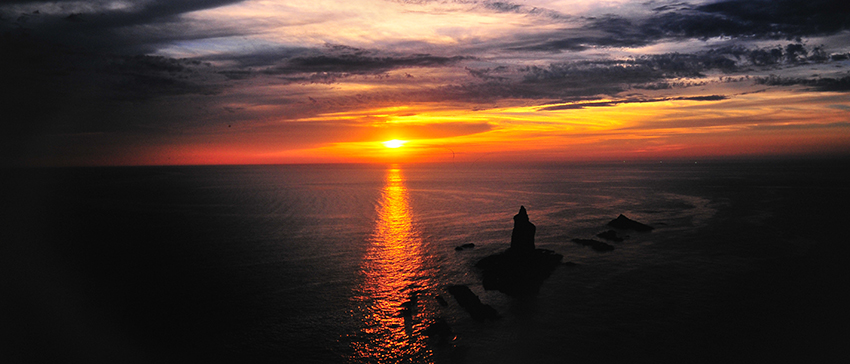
[394, 296]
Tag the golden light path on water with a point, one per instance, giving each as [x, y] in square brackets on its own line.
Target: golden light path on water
[394, 298]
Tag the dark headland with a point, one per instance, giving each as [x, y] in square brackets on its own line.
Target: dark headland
[521, 269]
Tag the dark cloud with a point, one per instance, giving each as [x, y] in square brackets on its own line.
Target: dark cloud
[767, 19]
[140, 28]
[631, 101]
[57, 89]
[587, 80]
[581, 106]
[782, 18]
[598, 32]
[841, 84]
[759, 19]
[638, 70]
[142, 77]
[496, 6]
[790, 54]
[702, 98]
[654, 70]
[509, 7]
[361, 64]
[327, 65]
[81, 57]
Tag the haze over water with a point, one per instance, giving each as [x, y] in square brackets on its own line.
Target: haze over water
[314, 263]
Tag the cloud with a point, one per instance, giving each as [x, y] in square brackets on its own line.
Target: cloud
[841, 84]
[509, 7]
[494, 6]
[758, 19]
[138, 27]
[361, 64]
[589, 79]
[630, 101]
[747, 19]
[790, 54]
[579, 80]
[326, 65]
[779, 18]
[602, 32]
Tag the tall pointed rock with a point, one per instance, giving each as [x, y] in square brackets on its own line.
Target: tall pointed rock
[522, 237]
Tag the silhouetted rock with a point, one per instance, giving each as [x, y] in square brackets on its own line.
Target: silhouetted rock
[521, 269]
[470, 302]
[407, 308]
[610, 235]
[596, 245]
[623, 222]
[440, 329]
[465, 246]
[441, 300]
[518, 272]
[522, 237]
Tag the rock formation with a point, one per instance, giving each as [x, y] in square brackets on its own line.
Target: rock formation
[441, 300]
[521, 269]
[610, 235]
[522, 237]
[472, 304]
[625, 223]
[595, 245]
[441, 330]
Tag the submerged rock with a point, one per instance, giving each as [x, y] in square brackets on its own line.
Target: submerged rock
[610, 235]
[465, 246]
[441, 330]
[408, 307]
[595, 245]
[521, 269]
[441, 300]
[625, 223]
[472, 304]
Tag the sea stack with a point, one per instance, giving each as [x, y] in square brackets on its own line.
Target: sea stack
[520, 269]
[522, 237]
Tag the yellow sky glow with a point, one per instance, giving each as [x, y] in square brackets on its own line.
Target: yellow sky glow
[395, 143]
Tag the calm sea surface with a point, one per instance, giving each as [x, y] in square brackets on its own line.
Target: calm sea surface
[313, 263]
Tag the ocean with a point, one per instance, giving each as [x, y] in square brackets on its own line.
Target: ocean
[315, 263]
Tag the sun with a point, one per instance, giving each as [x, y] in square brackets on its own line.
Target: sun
[395, 143]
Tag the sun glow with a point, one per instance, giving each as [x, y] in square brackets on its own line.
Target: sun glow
[395, 143]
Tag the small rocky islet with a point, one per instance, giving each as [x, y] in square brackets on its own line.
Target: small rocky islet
[621, 223]
[625, 223]
[522, 268]
[518, 271]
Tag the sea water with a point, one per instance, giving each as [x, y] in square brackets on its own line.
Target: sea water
[318, 263]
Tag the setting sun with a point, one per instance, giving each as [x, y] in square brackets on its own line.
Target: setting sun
[395, 143]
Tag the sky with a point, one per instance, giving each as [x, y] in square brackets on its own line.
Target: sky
[153, 82]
